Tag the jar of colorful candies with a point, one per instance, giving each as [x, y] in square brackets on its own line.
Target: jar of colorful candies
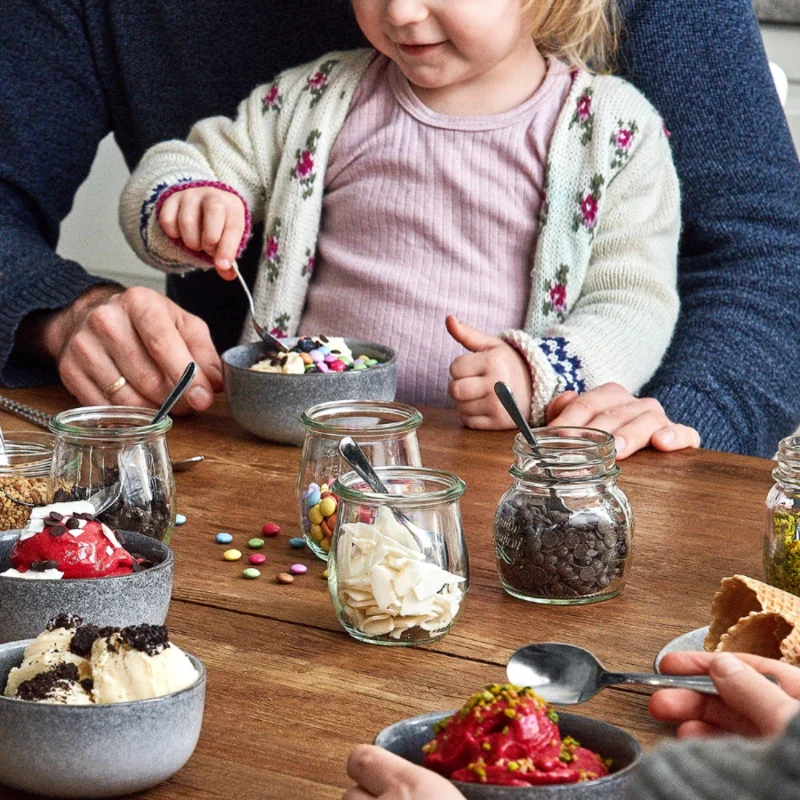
[782, 531]
[386, 432]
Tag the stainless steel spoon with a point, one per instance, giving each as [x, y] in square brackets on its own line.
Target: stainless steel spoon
[263, 333]
[355, 457]
[566, 675]
[506, 397]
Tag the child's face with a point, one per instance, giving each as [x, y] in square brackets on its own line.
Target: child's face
[443, 43]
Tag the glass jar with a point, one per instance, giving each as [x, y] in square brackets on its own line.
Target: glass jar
[116, 458]
[782, 533]
[563, 532]
[386, 432]
[398, 571]
[26, 477]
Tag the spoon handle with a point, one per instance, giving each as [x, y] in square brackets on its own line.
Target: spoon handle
[506, 397]
[176, 393]
[355, 457]
[697, 683]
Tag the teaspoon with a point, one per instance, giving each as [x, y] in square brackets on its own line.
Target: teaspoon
[263, 333]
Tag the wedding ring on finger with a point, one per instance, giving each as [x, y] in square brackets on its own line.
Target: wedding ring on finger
[113, 388]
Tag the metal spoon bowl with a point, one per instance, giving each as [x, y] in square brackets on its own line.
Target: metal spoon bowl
[566, 675]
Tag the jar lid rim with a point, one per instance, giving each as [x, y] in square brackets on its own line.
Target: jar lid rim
[63, 424]
[406, 418]
[453, 489]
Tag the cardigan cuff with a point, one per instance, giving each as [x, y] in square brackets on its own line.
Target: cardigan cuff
[544, 381]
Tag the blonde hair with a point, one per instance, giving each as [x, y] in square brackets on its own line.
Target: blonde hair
[584, 33]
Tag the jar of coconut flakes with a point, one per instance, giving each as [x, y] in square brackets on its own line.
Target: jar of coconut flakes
[398, 569]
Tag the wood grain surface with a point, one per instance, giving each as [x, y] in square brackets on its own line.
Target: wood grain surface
[290, 693]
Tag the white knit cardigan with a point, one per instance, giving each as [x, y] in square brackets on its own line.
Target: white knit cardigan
[604, 300]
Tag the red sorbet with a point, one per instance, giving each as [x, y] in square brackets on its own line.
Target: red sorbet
[507, 736]
[90, 554]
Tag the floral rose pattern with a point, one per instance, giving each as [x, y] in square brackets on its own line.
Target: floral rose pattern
[272, 100]
[584, 116]
[621, 141]
[304, 169]
[588, 206]
[308, 267]
[555, 290]
[272, 251]
[317, 83]
[281, 326]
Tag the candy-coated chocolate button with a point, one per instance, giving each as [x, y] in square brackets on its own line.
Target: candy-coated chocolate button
[251, 573]
[223, 538]
[298, 569]
[231, 555]
[327, 506]
[255, 543]
[313, 497]
[284, 577]
[257, 558]
[315, 515]
[180, 519]
[297, 542]
[324, 575]
[271, 529]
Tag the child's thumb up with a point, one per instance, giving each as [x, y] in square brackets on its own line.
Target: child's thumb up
[470, 337]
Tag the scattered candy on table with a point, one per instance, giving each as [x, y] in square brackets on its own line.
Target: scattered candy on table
[298, 569]
[232, 555]
[271, 529]
[251, 573]
[257, 558]
[284, 577]
[256, 543]
[297, 542]
[321, 505]
[180, 519]
[223, 538]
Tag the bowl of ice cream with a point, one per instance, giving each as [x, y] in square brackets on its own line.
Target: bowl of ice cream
[507, 744]
[86, 712]
[267, 393]
[112, 577]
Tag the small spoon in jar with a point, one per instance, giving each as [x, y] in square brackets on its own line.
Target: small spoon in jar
[506, 397]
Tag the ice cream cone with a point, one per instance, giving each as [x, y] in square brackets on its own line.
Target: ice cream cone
[748, 616]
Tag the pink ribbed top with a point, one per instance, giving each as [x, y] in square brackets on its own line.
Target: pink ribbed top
[427, 215]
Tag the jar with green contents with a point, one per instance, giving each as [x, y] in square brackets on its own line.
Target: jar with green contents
[782, 530]
[386, 432]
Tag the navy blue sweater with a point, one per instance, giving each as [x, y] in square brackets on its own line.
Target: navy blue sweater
[73, 70]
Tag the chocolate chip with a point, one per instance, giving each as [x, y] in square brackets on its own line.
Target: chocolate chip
[72, 523]
[56, 516]
[58, 530]
[324, 339]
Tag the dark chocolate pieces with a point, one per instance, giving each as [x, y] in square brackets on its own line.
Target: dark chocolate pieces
[47, 684]
[67, 621]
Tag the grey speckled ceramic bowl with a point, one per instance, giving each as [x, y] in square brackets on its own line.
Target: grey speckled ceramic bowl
[27, 605]
[96, 751]
[407, 737]
[269, 405]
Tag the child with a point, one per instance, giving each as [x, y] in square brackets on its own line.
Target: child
[472, 168]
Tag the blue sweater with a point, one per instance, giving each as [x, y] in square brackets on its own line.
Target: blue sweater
[71, 71]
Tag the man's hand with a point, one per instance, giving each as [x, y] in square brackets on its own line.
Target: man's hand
[475, 374]
[380, 774]
[138, 334]
[635, 422]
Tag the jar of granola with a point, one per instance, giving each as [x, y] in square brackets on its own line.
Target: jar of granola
[26, 477]
[781, 531]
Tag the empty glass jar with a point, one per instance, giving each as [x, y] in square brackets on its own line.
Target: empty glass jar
[26, 477]
[398, 570]
[781, 532]
[386, 432]
[563, 532]
[116, 458]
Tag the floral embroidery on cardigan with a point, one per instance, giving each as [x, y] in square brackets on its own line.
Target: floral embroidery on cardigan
[589, 206]
[555, 301]
[272, 251]
[272, 100]
[584, 115]
[621, 141]
[568, 368]
[304, 170]
[317, 84]
[308, 267]
[281, 326]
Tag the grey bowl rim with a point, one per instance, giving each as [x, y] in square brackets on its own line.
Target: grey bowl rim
[15, 701]
[294, 339]
[169, 560]
[435, 716]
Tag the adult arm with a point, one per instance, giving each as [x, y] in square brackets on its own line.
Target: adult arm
[729, 369]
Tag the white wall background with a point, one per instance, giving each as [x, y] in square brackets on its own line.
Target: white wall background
[91, 234]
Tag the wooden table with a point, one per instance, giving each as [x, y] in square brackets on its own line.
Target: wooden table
[289, 693]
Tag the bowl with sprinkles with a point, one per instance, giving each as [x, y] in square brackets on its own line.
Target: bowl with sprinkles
[268, 391]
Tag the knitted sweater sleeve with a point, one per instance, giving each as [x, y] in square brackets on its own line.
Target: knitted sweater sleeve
[235, 155]
[719, 769]
[620, 326]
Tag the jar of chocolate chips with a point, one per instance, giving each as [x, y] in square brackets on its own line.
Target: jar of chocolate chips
[563, 532]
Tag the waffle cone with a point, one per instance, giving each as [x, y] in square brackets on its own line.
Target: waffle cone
[748, 616]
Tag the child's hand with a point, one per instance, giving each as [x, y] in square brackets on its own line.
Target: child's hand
[635, 421]
[206, 219]
[475, 374]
